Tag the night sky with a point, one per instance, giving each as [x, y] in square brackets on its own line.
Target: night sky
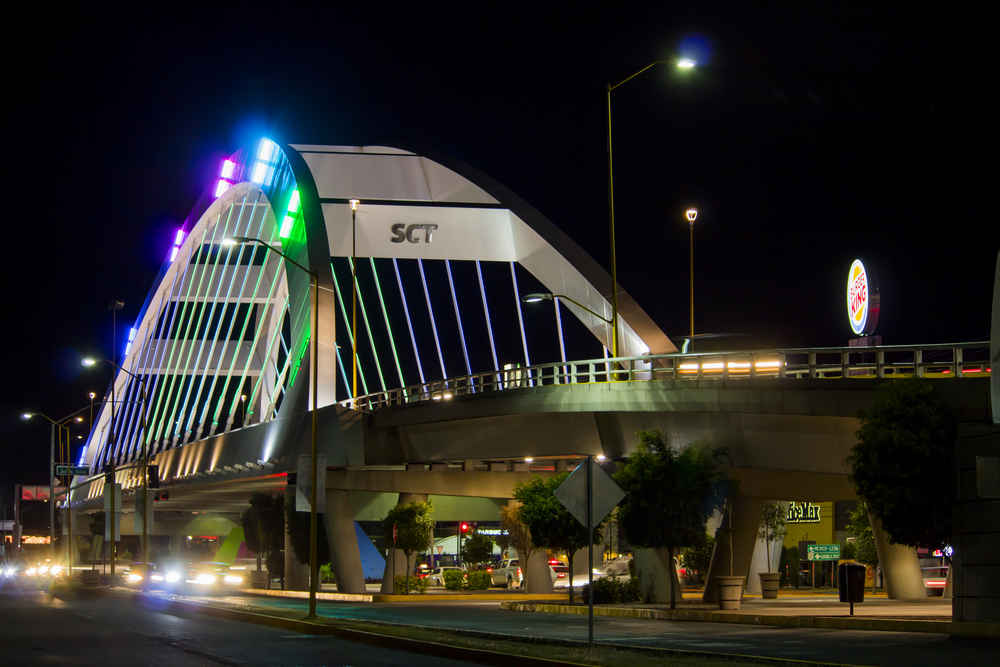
[810, 134]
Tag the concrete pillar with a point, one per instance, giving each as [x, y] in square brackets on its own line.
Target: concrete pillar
[745, 521]
[296, 574]
[900, 566]
[345, 557]
[395, 561]
[656, 582]
[537, 573]
[758, 563]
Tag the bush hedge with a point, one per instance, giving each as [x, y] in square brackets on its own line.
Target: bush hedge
[454, 580]
[610, 590]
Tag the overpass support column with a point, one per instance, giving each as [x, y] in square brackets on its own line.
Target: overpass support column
[345, 558]
[395, 561]
[745, 520]
[657, 580]
[900, 566]
[296, 574]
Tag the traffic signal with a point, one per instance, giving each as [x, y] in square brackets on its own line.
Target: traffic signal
[465, 528]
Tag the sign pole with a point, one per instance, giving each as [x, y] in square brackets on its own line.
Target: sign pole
[590, 539]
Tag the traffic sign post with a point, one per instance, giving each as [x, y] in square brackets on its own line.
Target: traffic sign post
[823, 551]
[72, 470]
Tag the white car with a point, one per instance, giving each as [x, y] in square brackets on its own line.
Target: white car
[436, 576]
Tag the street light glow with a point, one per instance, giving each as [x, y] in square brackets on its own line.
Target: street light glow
[89, 362]
[691, 214]
[536, 297]
[354, 204]
[686, 63]
[27, 415]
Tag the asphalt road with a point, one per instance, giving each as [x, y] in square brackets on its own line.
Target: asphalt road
[821, 645]
[39, 629]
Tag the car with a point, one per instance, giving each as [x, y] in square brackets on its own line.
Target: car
[216, 575]
[935, 579]
[436, 576]
[560, 575]
[508, 573]
[135, 572]
[44, 569]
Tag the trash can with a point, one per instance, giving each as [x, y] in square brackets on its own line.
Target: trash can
[851, 583]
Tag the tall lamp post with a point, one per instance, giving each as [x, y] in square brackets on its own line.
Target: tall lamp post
[57, 423]
[547, 296]
[146, 505]
[691, 214]
[314, 279]
[354, 296]
[683, 64]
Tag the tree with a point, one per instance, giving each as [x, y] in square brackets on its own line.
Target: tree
[698, 556]
[772, 528]
[864, 542]
[479, 549]
[414, 527]
[669, 495]
[906, 438]
[518, 534]
[264, 531]
[550, 523]
[297, 525]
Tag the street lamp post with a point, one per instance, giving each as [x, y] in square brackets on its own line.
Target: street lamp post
[314, 279]
[146, 506]
[683, 64]
[548, 296]
[691, 215]
[354, 296]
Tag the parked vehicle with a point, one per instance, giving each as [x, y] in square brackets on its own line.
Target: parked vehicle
[436, 576]
[508, 573]
[935, 579]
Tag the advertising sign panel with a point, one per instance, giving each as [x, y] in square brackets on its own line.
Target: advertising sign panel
[862, 299]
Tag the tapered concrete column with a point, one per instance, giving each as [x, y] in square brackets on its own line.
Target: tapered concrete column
[296, 574]
[345, 557]
[395, 561]
[656, 580]
[537, 573]
[900, 566]
[745, 521]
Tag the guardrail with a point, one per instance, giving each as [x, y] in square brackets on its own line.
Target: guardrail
[954, 360]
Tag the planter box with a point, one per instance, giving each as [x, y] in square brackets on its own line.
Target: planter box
[730, 592]
[769, 584]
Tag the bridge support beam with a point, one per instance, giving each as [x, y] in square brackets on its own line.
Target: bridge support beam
[745, 520]
[395, 562]
[657, 580]
[537, 574]
[903, 580]
[345, 557]
[296, 574]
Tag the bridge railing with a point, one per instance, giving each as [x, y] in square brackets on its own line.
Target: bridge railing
[954, 360]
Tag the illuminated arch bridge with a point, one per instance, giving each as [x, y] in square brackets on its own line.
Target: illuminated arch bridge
[442, 256]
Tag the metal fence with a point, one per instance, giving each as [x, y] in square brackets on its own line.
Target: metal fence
[955, 360]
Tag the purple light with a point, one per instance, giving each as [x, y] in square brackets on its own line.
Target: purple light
[221, 187]
[179, 239]
[173, 253]
[227, 169]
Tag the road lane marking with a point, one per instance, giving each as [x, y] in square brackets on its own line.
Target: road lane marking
[138, 633]
[222, 657]
[84, 615]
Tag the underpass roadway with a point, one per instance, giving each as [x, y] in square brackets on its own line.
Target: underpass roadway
[817, 645]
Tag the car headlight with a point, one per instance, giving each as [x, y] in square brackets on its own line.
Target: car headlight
[233, 579]
[44, 569]
[31, 572]
[173, 577]
[134, 578]
[156, 577]
[205, 579]
[56, 570]
[9, 572]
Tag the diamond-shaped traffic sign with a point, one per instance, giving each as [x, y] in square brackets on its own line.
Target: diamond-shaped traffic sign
[573, 493]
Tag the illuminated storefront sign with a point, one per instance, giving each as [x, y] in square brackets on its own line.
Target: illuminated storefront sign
[492, 532]
[34, 539]
[862, 299]
[804, 513]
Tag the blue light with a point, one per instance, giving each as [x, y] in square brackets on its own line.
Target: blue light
[267, 151]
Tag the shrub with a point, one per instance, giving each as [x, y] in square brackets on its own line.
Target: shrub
[454, 580]
[326, 574]
[609, 590]
[479, 581]
[850, 551]
[417, 584]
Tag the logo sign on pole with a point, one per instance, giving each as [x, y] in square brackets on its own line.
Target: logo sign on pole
[303, 485]
[823, 552]
[573, 493]
[862, 299]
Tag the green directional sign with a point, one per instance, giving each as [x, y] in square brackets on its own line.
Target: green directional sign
[72, 470]
[823, 551]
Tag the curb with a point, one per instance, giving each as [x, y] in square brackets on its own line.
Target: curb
[963, 629]
[413, 597]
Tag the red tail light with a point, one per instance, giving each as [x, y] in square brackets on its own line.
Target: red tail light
[489, 569]
[519, 572]
[561, 575]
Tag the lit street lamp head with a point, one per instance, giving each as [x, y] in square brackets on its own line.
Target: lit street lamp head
[89, 362]
[691, 214]
[686, 63]
[354, 204]
[536, 297]
[236, 240]
[27, 415]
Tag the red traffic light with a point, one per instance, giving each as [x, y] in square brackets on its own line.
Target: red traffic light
[465, 527]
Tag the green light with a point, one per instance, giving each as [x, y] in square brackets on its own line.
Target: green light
[286, 227]
[293, 202]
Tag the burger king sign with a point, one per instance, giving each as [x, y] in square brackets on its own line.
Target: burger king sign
[862, 299]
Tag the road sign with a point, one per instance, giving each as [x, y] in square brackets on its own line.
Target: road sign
[573, 493]
[72, 470]
[823, 551]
